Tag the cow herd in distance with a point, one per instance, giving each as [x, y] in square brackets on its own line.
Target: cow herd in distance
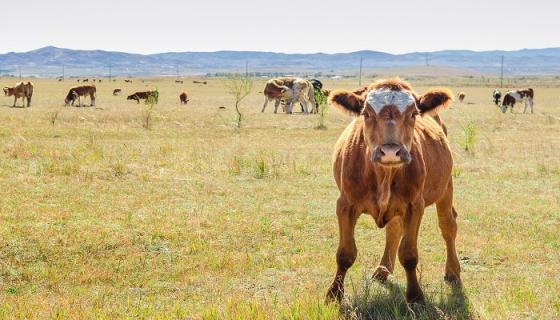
[284, 91]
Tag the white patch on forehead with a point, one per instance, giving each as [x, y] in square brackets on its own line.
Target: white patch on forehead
[378, 99]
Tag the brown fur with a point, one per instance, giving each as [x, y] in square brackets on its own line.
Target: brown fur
[77, 93]
[116, 92]
[20, 90]
[395, 195]
[183, 97]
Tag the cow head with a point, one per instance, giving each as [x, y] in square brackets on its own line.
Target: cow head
[6, 91]
[388, 110]
[71, 97]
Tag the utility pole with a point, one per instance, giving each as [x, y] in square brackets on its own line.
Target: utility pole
[361, 64]
[427, 59]
[19, 67]
[63, 72]
[502, 74]
[110, 72]
[246, 68]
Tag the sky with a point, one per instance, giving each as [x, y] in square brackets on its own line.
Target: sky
[300, 26]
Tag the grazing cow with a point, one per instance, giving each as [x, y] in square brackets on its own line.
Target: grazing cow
[77, 93]
[127, 80]
[496, 96]
[291, 90]
[200, 82]
[183, 97]
[316, 84]
[143, 95]
[85, 80]
[179, 81]
[78, 80]
[461, 96]
[116, 92]
[392, 161]
[511, 97]
[20, 90]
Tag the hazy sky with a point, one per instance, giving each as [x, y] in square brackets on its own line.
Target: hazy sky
[282, 26]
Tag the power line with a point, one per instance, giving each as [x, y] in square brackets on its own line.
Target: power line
[361, 63]
[502, 74]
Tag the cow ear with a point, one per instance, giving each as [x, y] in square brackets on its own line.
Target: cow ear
[433, 101]
[346, 101]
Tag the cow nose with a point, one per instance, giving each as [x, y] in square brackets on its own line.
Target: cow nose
[390, 153]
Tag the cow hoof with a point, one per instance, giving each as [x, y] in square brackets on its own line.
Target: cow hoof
[335, 294]
[453, 280]
[381, 274]
[415, 297]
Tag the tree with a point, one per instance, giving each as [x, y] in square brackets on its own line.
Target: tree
[239, 87]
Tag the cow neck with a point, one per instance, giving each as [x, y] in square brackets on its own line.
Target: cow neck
[384, 177]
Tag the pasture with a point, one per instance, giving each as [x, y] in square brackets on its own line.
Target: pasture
[102, 218]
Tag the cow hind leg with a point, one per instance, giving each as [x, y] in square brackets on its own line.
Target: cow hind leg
[347, 250]
[265, 103]
[447, 220]
[393, 233]
[276, 104]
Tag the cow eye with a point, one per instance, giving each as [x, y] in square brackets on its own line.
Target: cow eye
[365, 114]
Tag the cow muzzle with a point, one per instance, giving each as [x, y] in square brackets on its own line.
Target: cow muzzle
[391, 154]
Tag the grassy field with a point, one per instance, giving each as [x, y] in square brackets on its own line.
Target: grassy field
[101, 218]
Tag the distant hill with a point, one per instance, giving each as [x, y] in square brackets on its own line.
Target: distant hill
[48, 62]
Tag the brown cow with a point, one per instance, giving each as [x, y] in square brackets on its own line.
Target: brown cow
[290, 90]
[77, 93]
[20, 90]
[461, 95]
[116, 92]
[142, 95]
[183, 97]
[391, 162]
[179, 81]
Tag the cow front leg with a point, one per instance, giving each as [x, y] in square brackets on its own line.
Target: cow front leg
[347, 251]
[15, 100]
[393, 233]
[408, 250]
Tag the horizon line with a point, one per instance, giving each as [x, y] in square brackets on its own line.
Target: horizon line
[277, 52]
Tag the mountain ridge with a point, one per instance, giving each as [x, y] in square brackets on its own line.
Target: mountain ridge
[48, 62]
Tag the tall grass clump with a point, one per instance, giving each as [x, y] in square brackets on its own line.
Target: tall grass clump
[322, 108]
[469, 135]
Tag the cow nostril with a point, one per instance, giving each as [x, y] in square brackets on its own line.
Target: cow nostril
[398, 153]
[381, 151]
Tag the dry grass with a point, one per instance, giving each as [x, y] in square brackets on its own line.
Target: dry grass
[197, 219]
